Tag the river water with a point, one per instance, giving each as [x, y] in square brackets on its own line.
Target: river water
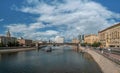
[60, 60]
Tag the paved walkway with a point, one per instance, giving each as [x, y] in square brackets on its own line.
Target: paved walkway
[106, 65]
[114, 57]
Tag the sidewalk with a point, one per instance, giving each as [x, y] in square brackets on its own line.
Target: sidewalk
[113, 57]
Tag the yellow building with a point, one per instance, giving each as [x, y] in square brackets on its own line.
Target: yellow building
[90, 39]
[110, 37]
[75, 41]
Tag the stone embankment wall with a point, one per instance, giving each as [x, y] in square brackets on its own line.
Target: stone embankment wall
[105, 64]
[15, 50]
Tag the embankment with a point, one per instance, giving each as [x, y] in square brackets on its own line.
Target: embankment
[15, 50]
[106, 65]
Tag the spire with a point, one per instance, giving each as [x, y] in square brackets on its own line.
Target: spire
[8, 33]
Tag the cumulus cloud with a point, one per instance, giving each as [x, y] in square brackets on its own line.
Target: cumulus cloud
[78, 16]
[30, 31]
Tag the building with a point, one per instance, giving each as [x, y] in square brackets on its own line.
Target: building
[110, 37]
[75, 40]
[25, 42]
[90, 39]
[81, 38]
[7, 39]
[59, 39]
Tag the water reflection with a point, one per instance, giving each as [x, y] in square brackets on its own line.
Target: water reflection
[7, 56]
[60, 60]
[88, 57]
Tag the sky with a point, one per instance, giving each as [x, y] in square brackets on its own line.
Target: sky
[46, 19]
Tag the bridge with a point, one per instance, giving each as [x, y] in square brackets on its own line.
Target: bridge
[58, 44]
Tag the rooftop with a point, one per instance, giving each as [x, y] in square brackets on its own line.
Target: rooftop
[118, 24]
[90, 35]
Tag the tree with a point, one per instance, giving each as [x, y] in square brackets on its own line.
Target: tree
[96, 44]
[1, 45]
[13, 44]
[84, 44]
[9, 44]
[17, 43]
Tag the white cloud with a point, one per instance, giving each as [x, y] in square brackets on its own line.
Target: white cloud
[78, 16]
[1, 19]
[30, 31]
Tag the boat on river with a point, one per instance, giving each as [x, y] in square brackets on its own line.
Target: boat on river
[49, 49]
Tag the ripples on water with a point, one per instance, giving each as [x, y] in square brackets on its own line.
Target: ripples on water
[60, 60]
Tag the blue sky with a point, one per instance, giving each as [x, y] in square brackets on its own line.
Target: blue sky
[46, 19]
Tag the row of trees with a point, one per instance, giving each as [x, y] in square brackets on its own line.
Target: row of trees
[95, 44]
[10, 44]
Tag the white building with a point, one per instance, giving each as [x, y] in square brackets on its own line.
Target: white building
[59, 39]
[7, 39]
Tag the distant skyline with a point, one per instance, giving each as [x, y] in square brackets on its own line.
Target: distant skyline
[46, 19]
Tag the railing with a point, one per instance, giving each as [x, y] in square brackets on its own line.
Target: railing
[58, 43]
[107, 55]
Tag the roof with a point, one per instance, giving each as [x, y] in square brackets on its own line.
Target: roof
[118, 24]
[90, 35]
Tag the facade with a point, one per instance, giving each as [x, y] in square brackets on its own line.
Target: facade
[7, 39]
[110, 37]
[90, 39]
[59, 39]
[75, 41]
[25, 42]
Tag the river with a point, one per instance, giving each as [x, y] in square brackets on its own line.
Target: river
[60, 60]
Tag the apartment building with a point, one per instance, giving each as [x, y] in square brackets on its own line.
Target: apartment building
[91, 38]
[110, 37]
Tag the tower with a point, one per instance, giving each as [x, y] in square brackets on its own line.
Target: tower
[8, 34]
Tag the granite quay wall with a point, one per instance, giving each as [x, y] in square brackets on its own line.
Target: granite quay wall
[106, 65]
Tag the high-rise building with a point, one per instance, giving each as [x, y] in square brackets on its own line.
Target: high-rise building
[90, 39]
[81, 38]
[110, 37]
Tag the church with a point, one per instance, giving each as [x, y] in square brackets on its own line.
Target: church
[7, 39]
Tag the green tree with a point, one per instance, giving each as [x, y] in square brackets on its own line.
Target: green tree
[84, 44]
[9, 44]
[96, 44]
[17, 43]
[13, 44]
[2, 45]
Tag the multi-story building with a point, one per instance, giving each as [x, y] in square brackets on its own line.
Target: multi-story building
[110, 37]
[90, 39]
[7, 39]
[75, 40]
[24, 42]
[59, 39]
